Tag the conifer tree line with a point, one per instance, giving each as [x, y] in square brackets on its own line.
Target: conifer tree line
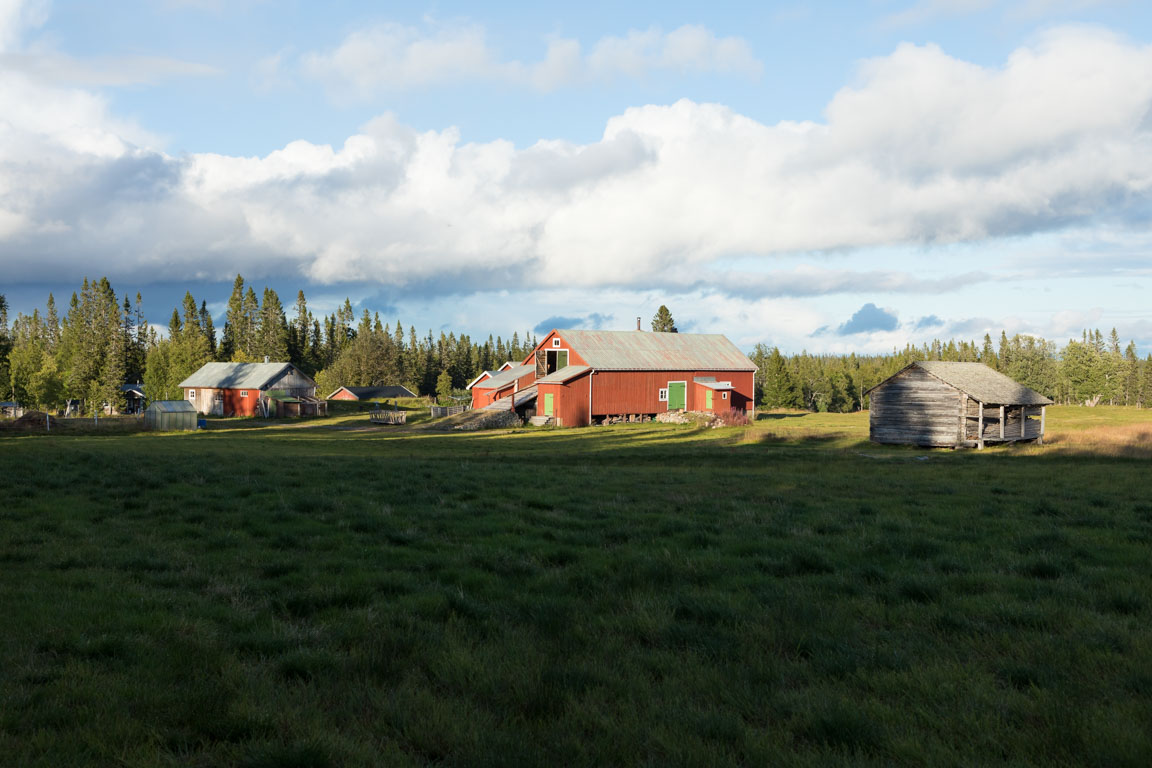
[102, 343]
[1092, 369]
[85, 353]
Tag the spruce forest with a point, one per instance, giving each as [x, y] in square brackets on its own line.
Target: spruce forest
[84, 353]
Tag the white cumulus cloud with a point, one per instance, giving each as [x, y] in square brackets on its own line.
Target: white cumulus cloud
[921, 148]
[395, 57]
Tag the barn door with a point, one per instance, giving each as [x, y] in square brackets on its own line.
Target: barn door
[708, 399]
[677, 395]
[547, 403]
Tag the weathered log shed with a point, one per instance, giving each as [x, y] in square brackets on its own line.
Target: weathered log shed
[933, 403]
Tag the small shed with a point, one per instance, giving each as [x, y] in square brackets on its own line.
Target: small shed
[170, 415]
[933, 403]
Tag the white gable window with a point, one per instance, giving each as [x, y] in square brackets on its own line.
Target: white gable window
[191, 394]
[243, 393]
[556, 342]
[664, 395]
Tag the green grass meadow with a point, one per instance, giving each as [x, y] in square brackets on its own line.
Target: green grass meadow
[331, 594]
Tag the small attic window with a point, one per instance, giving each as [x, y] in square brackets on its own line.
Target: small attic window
[556, 342]
[191, 394]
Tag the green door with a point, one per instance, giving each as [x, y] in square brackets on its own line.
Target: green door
[561, 359]
[708, 399]
[677, 395]
[547, 403]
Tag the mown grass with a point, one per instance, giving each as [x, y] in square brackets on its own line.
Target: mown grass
[786, 594]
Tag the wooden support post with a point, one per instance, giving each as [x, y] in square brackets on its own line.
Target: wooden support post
[1043, 410]
[980, 428]
[1023, 421]
[1001, 422]
[963, 417]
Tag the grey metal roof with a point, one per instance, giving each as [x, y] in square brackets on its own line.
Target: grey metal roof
[982, 383]
[505, 378]
[235, 375]
[172, 406]
[367, 393]
[644, 351]
[567, 373]
[526, 395]
[711, 383]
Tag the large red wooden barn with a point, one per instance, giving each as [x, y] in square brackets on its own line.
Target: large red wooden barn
[586, 376]
[252, 389]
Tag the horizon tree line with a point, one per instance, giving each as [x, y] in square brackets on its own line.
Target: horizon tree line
[104, 341]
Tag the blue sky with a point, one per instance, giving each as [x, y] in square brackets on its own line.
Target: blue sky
[824, 176]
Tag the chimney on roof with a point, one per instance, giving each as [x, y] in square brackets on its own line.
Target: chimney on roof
[638, 325]
[265, 358]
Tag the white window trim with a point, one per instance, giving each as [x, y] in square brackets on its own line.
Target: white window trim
[243, 393]
[663, 394]
[191, 394]
[556, 342]
[723, 395]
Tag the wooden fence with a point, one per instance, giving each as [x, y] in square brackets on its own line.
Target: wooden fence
[440, 411]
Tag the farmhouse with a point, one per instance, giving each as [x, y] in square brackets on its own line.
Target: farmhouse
[583, 376]
[390, 392]
[251, 389]
[932, 403]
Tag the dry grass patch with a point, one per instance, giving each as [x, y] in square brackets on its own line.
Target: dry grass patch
[1122, 440]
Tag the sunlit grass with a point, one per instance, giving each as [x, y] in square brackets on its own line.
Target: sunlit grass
[313, 593]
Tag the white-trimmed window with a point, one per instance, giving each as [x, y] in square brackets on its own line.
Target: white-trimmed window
[243, 393]
[556, 342]
[664, 395]
[723, 395]
[191, 394]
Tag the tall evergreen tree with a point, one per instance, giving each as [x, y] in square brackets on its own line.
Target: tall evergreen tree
[662, 321]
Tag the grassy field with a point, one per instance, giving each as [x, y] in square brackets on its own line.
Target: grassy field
[329, 594]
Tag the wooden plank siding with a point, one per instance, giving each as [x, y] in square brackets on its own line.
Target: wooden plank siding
[915, 408]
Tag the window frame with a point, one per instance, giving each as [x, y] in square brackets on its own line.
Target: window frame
[191, 394]
[556, 341]
[663, 394]
[243, 393]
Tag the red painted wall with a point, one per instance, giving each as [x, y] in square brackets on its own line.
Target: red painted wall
[569, 402]
[233, 404]
[620, 392]
[341, 394]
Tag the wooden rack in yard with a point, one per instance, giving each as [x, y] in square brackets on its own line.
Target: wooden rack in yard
[388, 417]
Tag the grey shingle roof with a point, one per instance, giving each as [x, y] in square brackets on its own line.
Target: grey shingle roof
[644, 351]
[982, 383]
[235, 375]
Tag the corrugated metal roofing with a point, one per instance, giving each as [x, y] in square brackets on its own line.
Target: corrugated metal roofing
[567, 373]
[982, 383]
[644, 351]
[505, 378]
[711, 383]
[172, 406]
[235, 375]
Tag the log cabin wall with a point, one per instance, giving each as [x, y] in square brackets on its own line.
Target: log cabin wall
[915, 408]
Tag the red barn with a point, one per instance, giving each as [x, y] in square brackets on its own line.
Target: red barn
[582, 376]
[506, 380]
[252, 389]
